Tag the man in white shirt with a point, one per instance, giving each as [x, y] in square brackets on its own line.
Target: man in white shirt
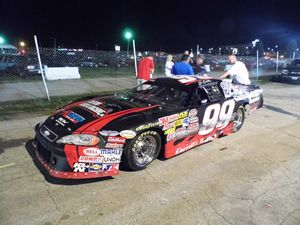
[238, 71]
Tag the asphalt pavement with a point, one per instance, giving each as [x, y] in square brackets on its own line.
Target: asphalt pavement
[247, 178]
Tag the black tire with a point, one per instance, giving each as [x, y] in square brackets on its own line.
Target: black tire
[142, 150]
[238, 119]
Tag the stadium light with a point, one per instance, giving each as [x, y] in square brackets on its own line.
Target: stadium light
[2, 40]
[128, 35]
[22, 44]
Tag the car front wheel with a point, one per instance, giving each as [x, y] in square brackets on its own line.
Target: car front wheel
[142, 150]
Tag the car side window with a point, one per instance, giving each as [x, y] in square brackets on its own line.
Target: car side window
[201, 96]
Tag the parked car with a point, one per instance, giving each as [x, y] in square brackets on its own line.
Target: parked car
[91, 62]
[90, 137]
[290, 73]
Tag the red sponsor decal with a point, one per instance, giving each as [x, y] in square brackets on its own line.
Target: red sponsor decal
[116, 139]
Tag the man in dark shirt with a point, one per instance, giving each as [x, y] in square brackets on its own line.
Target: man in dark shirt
[199, 69]
[183, 67]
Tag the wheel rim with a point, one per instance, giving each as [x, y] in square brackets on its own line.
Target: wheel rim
[238, 119]
[145, 149]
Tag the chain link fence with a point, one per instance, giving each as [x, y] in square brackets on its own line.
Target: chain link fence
[22, 67]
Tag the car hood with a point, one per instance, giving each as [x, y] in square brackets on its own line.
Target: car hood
[90, 115]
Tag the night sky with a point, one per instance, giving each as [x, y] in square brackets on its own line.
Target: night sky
[171, 26]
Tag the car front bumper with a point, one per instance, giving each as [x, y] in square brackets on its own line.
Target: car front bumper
[55, 161]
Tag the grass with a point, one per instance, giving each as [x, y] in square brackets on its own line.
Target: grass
[38, 107]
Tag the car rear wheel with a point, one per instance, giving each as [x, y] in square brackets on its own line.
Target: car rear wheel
[239, 117]
[142, 150]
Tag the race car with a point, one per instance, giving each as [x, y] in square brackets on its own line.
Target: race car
[92, 136]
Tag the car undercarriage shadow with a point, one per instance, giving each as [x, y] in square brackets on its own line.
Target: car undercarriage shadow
[30, 149]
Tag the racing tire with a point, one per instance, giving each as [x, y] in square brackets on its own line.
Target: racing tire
[238, 119]
[142, 150]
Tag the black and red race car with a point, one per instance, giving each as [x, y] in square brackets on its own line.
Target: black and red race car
[90, 137]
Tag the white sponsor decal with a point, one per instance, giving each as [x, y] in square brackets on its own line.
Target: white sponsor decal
[128, 134]
[91, 159]
[193, 113]
[108, 133]
[114, 145]
[100, 112]
[91, 151]
[110, 152]
[94, 102]
[112, 159]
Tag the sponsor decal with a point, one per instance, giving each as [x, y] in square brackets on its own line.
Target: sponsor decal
[81, 167]
[95, 167]
[94, 102]
[91, 151]
[168, 119]
[226, 86]
[108, 133]
[98, 111]
[207, 139]
[170, 131]
[73, 117]
[193, 113]
[104, 152]
[185, 122]
[121, 140]
[112, 159]
[180, 133]
[147, 126]
[61, 121]
[170, 137]
[90, 159]
[107, 167]
[187, 147]
[194, 120]
[128, 134]
[168, 126]
[114, 145]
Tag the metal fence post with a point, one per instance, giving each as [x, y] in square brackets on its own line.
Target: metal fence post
[256, 64]
[41, 67]
[277, 56]
[134, 53]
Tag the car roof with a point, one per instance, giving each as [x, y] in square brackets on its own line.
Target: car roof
[181, 82]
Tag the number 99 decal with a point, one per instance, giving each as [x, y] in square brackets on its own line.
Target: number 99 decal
[216, 116]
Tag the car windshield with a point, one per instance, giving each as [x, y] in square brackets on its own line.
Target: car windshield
[158, 94]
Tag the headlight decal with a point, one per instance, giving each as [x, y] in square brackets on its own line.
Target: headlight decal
[79, 139]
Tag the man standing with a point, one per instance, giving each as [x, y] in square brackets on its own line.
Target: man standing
[183, 67]
[199, 69]
[238, 71]
[145, 71]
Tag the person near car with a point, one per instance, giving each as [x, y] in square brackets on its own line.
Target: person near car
[199, 69]
[145, 71]
[238, 72]
[168, 66]
[183, 67]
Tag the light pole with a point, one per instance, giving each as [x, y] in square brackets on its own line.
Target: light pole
[128, 35]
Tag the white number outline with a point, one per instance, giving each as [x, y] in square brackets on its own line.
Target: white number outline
[216, 116]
